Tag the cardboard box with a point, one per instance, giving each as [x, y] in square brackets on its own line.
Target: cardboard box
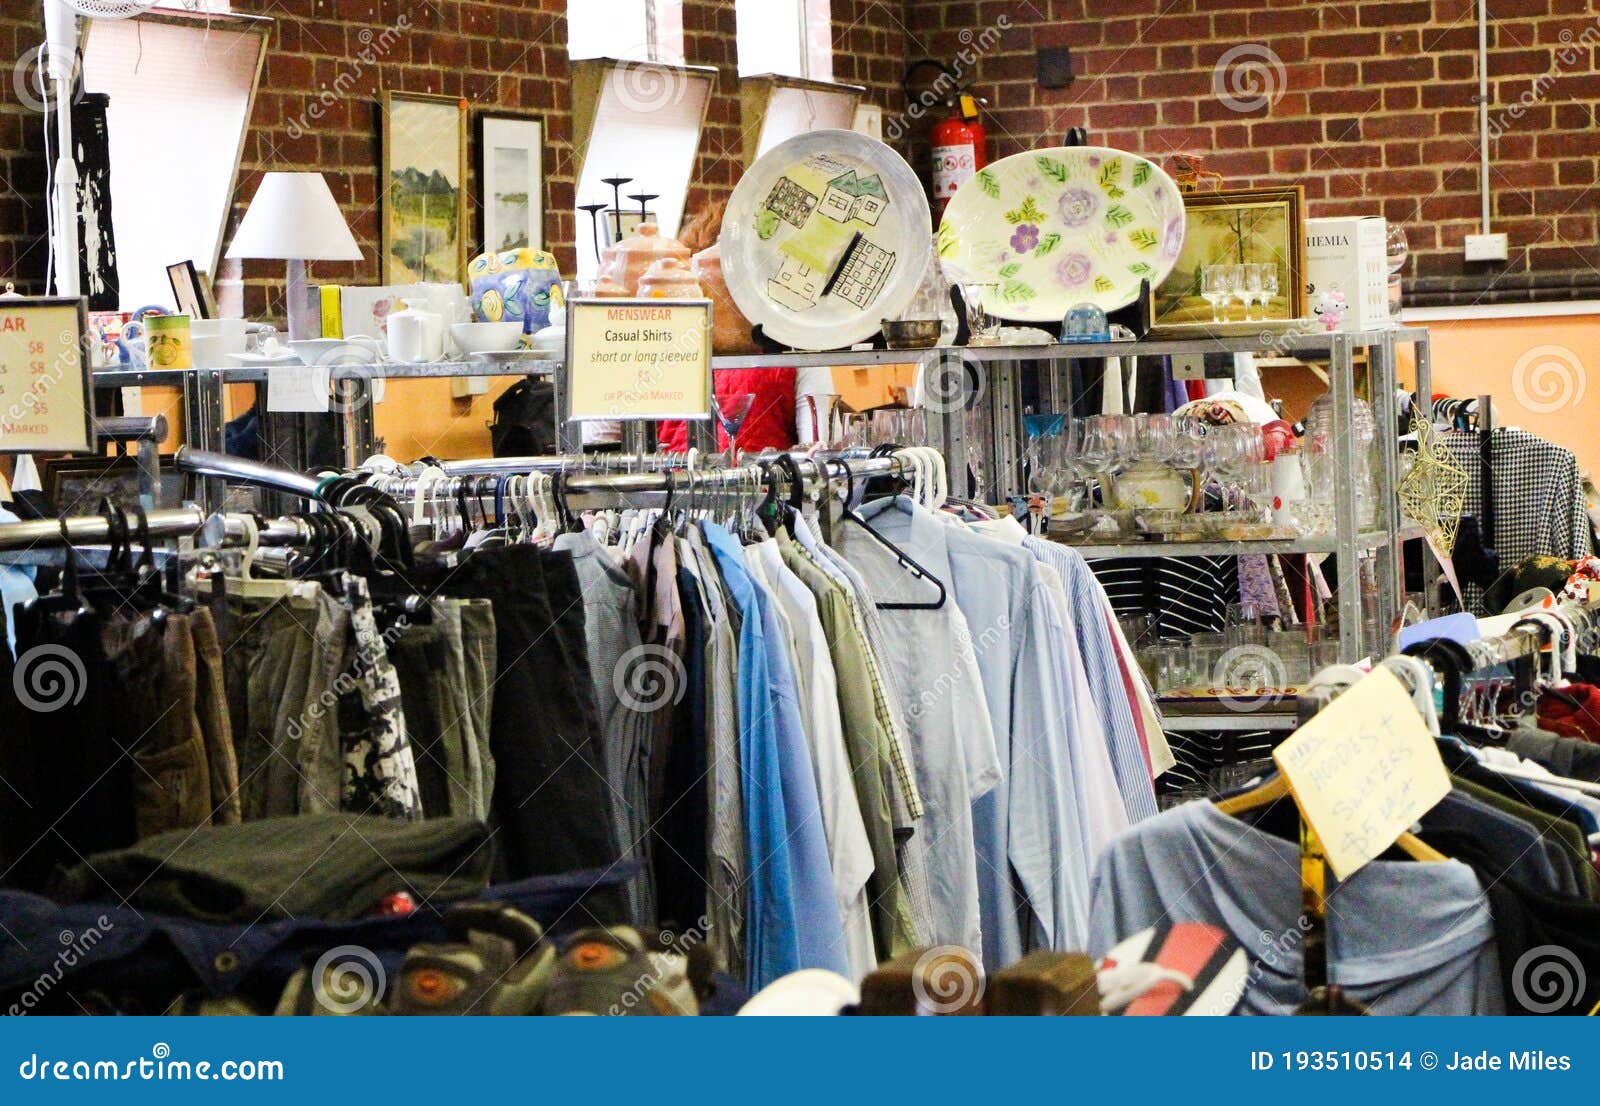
[1347, 272]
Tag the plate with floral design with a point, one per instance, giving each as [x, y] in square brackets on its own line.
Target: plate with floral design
[1057, 227]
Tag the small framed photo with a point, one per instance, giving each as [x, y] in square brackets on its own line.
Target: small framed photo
[190, 292]
[510, 182]
[424, 174]
[1238, 226]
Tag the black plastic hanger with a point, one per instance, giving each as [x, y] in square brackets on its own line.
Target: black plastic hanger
[904, 559]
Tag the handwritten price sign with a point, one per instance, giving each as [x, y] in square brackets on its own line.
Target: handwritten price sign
[1363, 770]
[44, 377]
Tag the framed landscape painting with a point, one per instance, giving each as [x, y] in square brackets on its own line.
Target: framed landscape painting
[510, 182]
[1236, 226]
[424, 177]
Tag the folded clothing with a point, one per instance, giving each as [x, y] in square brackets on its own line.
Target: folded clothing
[1574, 711]
[125, 961]
[334, 867]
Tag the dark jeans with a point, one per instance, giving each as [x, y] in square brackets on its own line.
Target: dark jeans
[551, 802]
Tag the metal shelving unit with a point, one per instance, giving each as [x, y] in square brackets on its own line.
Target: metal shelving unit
[985, 381]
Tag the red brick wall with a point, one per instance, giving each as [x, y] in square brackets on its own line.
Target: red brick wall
[490, 53]
[1372, 110]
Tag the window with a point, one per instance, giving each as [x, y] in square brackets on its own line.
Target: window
[643, 109]
[646, 128]
[180, 98]
[792, 37]
[640, 30]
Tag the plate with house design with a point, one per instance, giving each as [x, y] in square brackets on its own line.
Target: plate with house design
[825, 236]
[1056, 227]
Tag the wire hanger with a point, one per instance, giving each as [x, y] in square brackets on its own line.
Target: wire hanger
[903, 558]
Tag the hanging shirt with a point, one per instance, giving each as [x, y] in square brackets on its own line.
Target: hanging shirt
[793, 920]
[848, 849]
[1031, 848]
[1403, 937]
[952, 739]
[867, 745]
[1097, 647]
[727, 862]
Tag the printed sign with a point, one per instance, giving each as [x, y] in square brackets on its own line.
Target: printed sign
[639, 359]
[44, 377]
[1363, 770]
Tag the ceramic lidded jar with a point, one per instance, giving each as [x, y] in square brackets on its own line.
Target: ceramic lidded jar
[628, 261]
[669, 278]
[730, 330]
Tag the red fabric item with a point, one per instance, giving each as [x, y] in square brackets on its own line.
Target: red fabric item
[1133, 702]
[770, 424]
[1561, 717]
[1195, 388]
[1188, 948]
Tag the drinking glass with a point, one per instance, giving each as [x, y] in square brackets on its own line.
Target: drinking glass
[1397, 250]
[1214, 287]
[1154, 434]
[1250, 288]
[731, 413]
[1269, 288]
[1236, 287]
[981, 325]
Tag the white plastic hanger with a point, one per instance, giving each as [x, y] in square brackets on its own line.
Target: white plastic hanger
[247, 586]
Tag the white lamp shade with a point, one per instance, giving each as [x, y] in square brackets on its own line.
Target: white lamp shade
[294, 217]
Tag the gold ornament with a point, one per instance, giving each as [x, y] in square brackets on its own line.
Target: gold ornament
[1435, 490]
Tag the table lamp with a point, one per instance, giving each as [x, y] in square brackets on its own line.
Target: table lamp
[295, 218]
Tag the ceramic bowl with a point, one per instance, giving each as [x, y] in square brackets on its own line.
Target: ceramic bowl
[911, 333]
[486, 337]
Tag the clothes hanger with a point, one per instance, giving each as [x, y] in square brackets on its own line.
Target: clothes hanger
[1276, 788]
[247, 586]
[901, 557]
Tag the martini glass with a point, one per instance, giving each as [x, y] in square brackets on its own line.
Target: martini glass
[731, 413]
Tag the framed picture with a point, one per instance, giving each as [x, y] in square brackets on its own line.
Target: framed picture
[424, 177]
[510, 182]
[75, 485]
[1236, 226]
[187, 291]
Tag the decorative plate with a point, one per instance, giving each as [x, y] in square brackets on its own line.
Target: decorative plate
[1057, 227]
[826, 236]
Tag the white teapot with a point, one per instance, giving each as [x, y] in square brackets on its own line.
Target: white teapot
[415, 334]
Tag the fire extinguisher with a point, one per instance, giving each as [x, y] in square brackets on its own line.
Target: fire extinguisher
[960, 145]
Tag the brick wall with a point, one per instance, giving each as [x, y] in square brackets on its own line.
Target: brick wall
[1372, 107]
[1369, 104]
[487, 52]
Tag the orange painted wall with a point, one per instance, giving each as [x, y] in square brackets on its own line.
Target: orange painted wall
[1544, 374]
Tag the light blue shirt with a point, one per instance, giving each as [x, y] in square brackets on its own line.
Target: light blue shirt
[793, 917]
[1028, 835]
[934, 668]
[16, 587]
[1099, 655]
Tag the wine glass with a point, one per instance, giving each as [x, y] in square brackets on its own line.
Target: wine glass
[731, 412]
[1214, 287]
[1154, 434]
[1250, 288]
[1269, 287]
[1396, 250]
[1236, 287]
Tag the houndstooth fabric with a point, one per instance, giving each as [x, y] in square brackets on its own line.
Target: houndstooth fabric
[1538, 498]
